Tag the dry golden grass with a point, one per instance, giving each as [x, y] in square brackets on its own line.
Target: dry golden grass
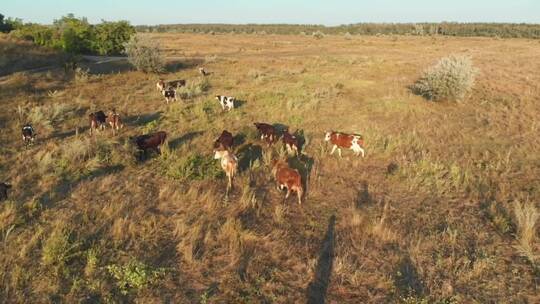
[426, 217]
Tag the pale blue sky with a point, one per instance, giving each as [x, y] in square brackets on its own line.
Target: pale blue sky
[328, 12]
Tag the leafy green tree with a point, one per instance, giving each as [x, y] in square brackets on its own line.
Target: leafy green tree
[109, 37]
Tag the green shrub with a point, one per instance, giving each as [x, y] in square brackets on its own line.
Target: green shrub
[450, 79]
[318, 35]
[135, 276]
[144, 54]
[193, 167]
[194, 88]
[109, 37]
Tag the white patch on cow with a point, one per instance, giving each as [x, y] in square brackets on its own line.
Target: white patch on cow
[355, 146]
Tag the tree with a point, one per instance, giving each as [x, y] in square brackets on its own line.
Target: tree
[109, 37]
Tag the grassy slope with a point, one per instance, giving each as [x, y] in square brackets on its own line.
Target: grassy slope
[439, 227]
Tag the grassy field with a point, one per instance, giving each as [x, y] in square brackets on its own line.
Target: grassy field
[435, 212]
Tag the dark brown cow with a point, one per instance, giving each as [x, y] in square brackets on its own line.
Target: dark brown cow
[97, 121]
[3, 191]
[150, 141]
[268, 132]
[289, 178]
[225, 141]
[354, 142]
[176, 83]
[291, 142]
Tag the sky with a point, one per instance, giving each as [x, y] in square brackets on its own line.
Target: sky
[327, 12]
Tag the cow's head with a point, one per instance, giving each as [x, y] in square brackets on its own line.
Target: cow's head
[328, 135]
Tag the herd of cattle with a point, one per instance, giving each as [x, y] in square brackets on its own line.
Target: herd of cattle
[285, 176]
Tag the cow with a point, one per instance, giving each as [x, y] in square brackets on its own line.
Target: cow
[28, 134]
[114, 121]
[229, 164]
[169, 94]
[268, 132]
[224, 142]
[160, 85]
[176, 83]
[203, 72]
[97, 121]
[150, 141]
[289, 178]
[4, 191]
[226, 102]
[291, 142]
[339, 140]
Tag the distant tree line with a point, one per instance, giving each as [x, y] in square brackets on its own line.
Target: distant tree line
[73, 35]
[502, 30]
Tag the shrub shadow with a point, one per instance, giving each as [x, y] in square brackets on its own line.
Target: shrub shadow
[64, 188]
[176, 65]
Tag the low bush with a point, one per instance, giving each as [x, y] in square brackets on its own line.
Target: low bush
[450, 79]
[192, 167]
[194, 88]
[144, 54]
[134, 276]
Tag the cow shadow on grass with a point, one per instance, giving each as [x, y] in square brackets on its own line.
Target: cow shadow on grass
[177, 142]
[304, 165]
[142, 119]
[238, 103]
[247, 155]
[407, 279]
[317, 288]
[64, 187]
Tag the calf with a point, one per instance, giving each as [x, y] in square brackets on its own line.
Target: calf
[28, 134]
[169, 94]
[226, 102]
[229, 164]
[4, 191]
[97, 121]
[114, 121]
[268, 132]
[291, 142]
[150, 141]
[289, 178]
[354, 142]
[224, 141]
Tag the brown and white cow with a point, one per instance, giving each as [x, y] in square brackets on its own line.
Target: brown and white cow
[268, 132]
[114, 121]
[229, 164]
[4, 191]
[339, 140]
[97, 121]
[291, 142]
[150, 141]
[160, 85]
[225, 141]
[289, 178]
[203, 72]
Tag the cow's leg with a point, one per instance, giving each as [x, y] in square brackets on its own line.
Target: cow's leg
[288, 193]
[339, 152]
[333, 149]
[362, 151]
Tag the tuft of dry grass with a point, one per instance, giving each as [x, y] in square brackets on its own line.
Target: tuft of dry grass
[527, 216]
